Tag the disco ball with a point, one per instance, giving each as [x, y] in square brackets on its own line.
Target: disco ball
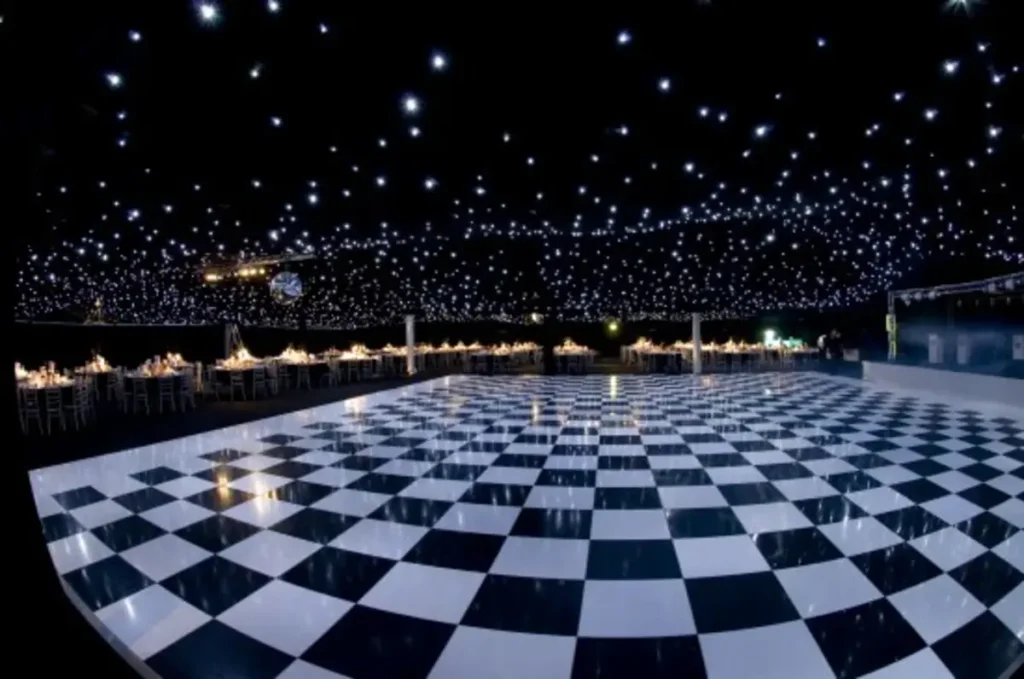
[286, 287]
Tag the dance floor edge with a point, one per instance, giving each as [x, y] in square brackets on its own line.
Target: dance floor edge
[749, 525]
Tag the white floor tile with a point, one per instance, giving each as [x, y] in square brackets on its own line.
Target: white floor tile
[542, 558]
[284, 616]
[947, 548]
[922, 664]
[629, 524]
[164, 556]
[711, 557]
[76, 551]
[151, 620]
[635, 608]
[263, 511]
[691, 497]
[352, 502]
[441, 594]
[1010, 610]
[560, 497]
[856, 536]
[176, 515]
[936, 607]
[388, 539]
[479, 518]
[771, 517]
[879, 500]
[952, 509]
[99, 513]
[269, 552]
[785, 651]
[473, 652]
[826, 587]
[437, 489]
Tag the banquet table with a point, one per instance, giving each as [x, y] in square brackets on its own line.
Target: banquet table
[98, 378]
[222, 374]
[317, 369]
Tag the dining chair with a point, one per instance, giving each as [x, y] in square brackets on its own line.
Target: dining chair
[237, 383]
[29, 409]
[54, 408]
[302, 377]
[187, 391]
[165, 393]
[259, 382]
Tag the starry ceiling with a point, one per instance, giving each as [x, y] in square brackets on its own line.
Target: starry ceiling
[465, 164]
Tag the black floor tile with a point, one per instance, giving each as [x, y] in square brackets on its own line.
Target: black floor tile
[576, 478]
[367, 642]
[751, 493]
[553, 523]
[623, 462]
[681, 477]
[456, 472]
[425, 455]
[851, 482]
[911, 522]
[280, 439]
[216, 532]
[79, 497]
[988, 529]
[520, 460]
[316, 525]
[574, 449]
[102, 583]
[722, 460]
[798, 547]
[784, 471]
[126, 533]
[808, 454]
[59, 526]
[703, 522]
[220, 498]
[867, 461]
[895, 568]
[667, 449]
[339, 573]
[984, 496]
[143, 500]
[301, 492]
[988, 577]
[214, 585]
[632, 560]
[862, 639]
[385, 484]
[979, 471]
[734, 602]
[920, 490]
[157, 475]
[412, 510]
[222, 474]
[982, 649]
[365, 463]
[291, 469]
[216, 650]
[651, 658]
[829, 509]
[752, 446]
[225, 455]
[532, 605]
[627, 498]
[284, 452]
[456, 549]
[497, 494]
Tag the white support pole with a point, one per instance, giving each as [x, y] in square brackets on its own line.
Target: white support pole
[696, 344]
[410, 344]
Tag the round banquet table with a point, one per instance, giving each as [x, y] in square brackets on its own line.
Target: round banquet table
[317, 369]
[101, 380]
[152, 387]
[223, 377]
[585, 360]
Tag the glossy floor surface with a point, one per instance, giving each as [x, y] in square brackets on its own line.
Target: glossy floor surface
[738, 526]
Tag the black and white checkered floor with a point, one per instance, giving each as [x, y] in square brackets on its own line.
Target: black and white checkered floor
[747, 526]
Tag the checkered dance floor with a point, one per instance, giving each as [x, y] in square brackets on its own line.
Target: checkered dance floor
[796, 526]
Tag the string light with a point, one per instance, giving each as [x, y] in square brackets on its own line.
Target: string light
[803, 210]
